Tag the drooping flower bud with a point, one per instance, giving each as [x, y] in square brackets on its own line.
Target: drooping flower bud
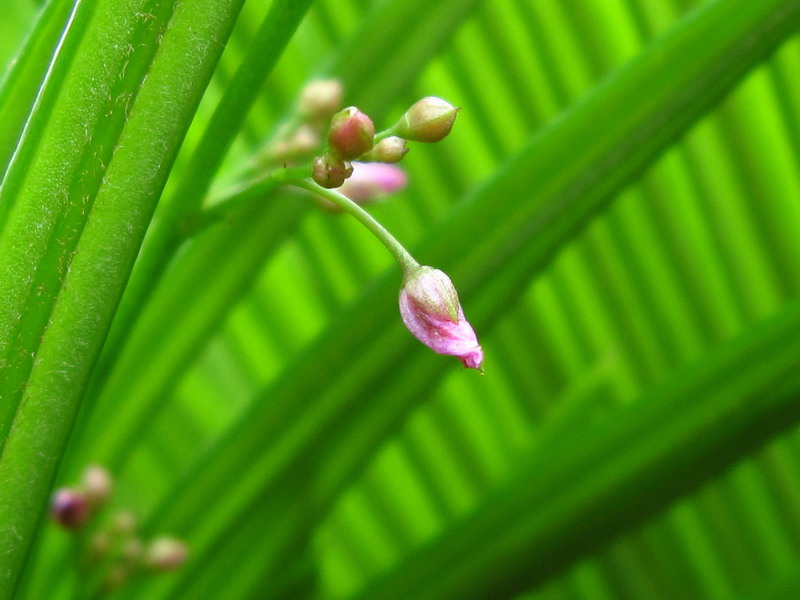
[320, 99]
[165, 554]
[351, 133]
[69, 508]
[330, 171]
[431, 310]
[389, 150]
[372, 181]
[97, 485]
[428, 120]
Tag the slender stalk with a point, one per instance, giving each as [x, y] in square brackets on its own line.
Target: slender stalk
[252, 190]
[400, 254]
[382, 135]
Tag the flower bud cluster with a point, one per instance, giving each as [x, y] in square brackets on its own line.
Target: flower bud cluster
[351, 136]
[73, 507]
[360, 162]
[348, 134]
[114, 549]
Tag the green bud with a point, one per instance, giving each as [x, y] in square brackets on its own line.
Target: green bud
[389, 150]
[428, 120]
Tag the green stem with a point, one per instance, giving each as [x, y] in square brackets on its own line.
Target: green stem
[400, 254]
[240, 195]
[382, 135]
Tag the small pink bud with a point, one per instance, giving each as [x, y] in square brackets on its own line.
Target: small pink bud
[97, 485]
[428, 120]
[320, 98]
[372, 181]
[69, 508]
[165, 554]
[330, 171]
[351, 133]
[430, 309]
[389, 150]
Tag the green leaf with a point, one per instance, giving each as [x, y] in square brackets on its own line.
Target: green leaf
[566, 500]
[110, 232]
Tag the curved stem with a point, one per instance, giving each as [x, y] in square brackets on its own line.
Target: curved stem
[401, 255]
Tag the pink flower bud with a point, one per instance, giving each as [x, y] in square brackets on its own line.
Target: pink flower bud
[351, 133]
[430, 309]
[320, 98]
[330, 171]
[165, 554]
[371, 181]
[389, 150]
[97, 485]
[428, 120]
[69, 508]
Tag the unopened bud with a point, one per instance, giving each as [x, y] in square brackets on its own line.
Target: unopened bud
[372, 181]
[304, 141]
[330, 171]
[389, 150]
[99, 546]
[351, 133]
[165, 554]
[69, 508]
[97, 485]
[320, 99]
[431, 310]
[124, 523]
[117, 576]
[428, 120]
[133, 549]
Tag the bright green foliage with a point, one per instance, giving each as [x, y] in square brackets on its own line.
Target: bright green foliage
[618, 206]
